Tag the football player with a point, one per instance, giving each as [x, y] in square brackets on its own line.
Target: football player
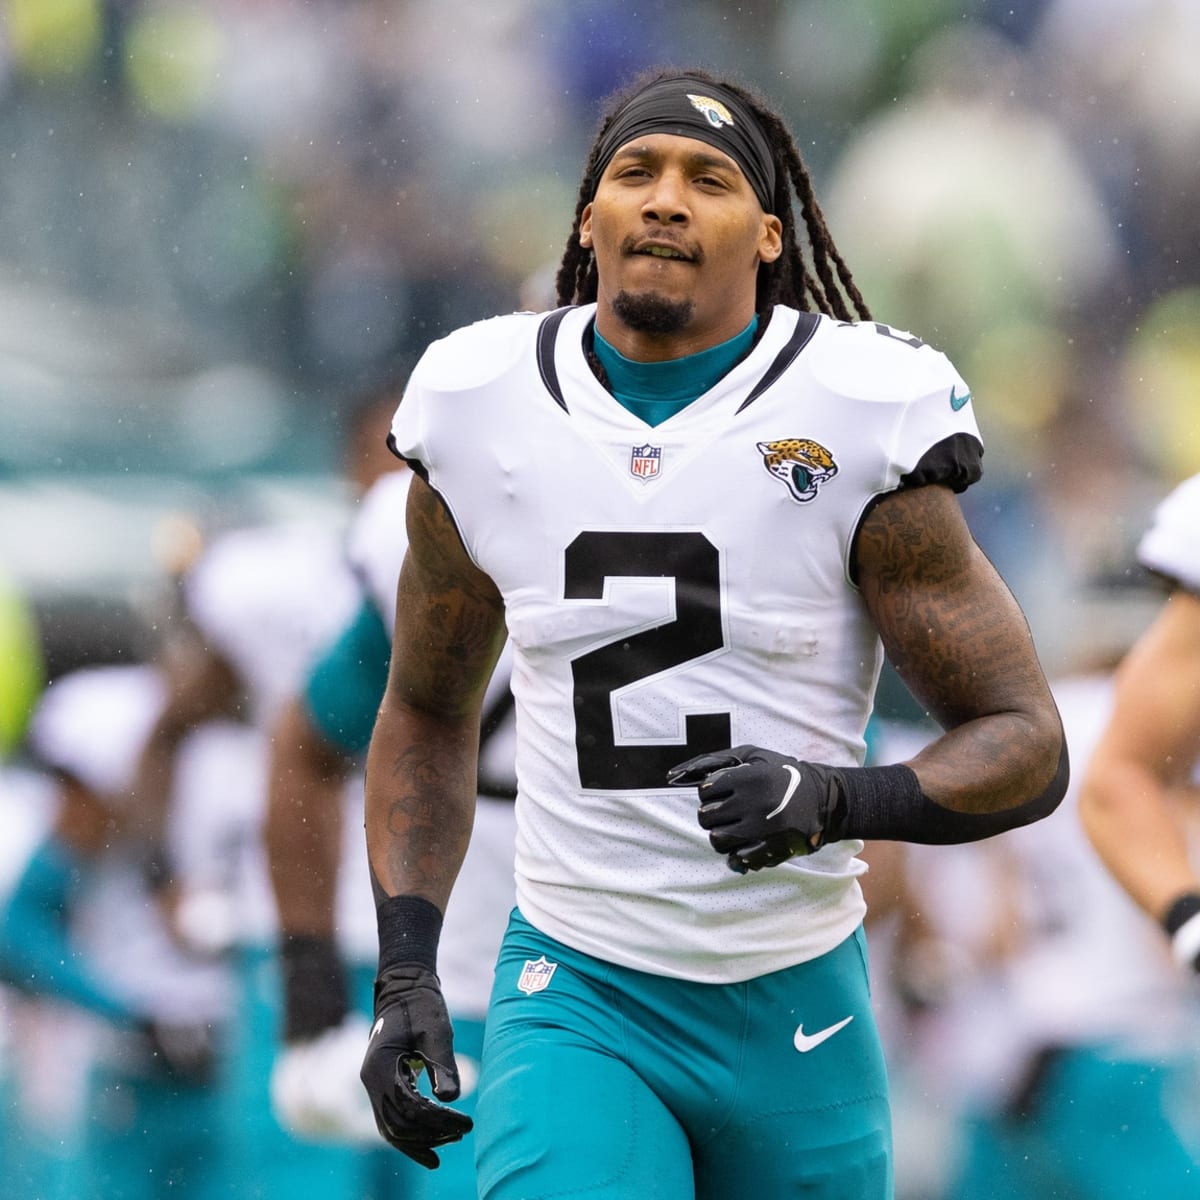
[702, 498]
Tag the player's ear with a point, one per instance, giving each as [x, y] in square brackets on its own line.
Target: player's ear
[585, 227]
[770, 242]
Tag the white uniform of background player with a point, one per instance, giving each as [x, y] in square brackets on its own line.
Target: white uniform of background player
[266, 598]
[316, 1084]
[1034, 1014]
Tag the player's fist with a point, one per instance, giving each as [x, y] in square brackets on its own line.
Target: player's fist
[759, 807]
[412, 1031]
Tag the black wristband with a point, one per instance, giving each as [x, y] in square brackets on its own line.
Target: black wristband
[314, 986]
[1181, 912]
[409, 930]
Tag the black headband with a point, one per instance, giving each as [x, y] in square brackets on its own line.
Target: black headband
[690, 107]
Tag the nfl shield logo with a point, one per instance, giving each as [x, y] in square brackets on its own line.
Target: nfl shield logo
[536, 976]
[644, 461]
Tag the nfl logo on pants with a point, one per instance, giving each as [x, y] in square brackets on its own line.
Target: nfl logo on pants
[536, 976]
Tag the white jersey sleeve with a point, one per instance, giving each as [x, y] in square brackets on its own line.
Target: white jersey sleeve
[1171, 546]
[908, 394]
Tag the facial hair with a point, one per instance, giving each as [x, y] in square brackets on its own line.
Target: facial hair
[646, 312]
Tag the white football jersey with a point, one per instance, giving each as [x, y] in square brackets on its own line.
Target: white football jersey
[1171, 546]
[674, 590]
[268, 597]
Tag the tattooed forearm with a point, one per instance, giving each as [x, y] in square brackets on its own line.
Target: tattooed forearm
[424, 801]
[958, 639]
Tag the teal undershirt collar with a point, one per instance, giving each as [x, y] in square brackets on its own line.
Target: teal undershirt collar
[654, 391]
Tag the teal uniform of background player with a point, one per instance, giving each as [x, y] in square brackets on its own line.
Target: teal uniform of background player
[342, 695]
[37, 1161]
[146, 1132]
[284, 1164]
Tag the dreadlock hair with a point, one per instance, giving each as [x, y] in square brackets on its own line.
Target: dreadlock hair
[825, 286]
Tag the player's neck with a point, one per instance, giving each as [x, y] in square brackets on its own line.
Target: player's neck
[641, 346]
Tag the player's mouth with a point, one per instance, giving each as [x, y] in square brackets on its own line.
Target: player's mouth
[658, 248]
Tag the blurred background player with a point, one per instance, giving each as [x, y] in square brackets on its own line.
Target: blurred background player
[1040, 1034]
[255, 606]
[318, 745]
[124, 1108]
[1137, 801]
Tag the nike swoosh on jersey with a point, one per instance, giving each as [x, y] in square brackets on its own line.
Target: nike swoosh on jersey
[791, 791]
[804, 1042]
[957, 402]
[378, 1027]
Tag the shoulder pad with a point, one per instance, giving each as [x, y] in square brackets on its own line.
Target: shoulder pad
[476, 354]
[868, 360]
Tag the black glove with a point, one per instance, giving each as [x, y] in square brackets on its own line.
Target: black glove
[761, 808]
[412, 1030]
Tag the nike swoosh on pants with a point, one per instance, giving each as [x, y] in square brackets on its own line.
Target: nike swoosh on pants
[804, 1042]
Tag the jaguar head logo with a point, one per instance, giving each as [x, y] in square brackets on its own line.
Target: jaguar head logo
[713, 111]
[801, 463]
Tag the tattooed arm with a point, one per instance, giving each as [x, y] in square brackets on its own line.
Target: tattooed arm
[420, 804]
[958, 639]
[422, 761]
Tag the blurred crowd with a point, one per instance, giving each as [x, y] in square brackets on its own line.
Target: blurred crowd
[219, 219]
[217, 216]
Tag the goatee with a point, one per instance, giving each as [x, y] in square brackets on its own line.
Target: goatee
[647, 312]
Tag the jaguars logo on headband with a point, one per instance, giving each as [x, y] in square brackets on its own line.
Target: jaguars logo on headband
[801, 463]
[714, 112]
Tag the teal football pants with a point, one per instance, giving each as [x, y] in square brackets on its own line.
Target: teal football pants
[604, 1083]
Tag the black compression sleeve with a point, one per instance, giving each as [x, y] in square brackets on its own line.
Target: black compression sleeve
[887, 804]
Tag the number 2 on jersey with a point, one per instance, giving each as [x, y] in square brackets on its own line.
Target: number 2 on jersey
[693, 564]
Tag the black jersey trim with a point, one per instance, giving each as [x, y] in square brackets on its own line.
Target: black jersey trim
[806, 326]
[546, 337]
[416, 464]
[955, 461]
